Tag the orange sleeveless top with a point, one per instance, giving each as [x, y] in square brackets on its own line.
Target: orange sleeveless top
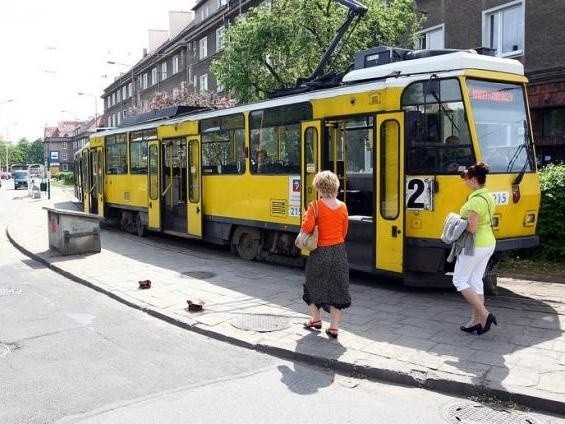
[332, 223]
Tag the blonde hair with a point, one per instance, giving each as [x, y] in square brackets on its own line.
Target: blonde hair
[327, 183]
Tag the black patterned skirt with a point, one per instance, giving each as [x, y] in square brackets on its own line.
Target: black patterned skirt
[327, 278]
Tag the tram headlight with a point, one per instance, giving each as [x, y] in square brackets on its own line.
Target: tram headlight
[529, 219]
[495, 221]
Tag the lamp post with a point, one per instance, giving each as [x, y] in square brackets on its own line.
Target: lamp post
[111, 62]
[95, 97]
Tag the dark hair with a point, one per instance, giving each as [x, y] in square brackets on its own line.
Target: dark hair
[478, 171]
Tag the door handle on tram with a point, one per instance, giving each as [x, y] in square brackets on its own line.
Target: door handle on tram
[150, 205]
[395, 231]
[197, 209]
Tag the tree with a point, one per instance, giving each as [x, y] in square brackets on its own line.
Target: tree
[277, 43]
[36, 152]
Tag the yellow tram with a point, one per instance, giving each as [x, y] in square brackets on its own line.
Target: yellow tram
[396, 132]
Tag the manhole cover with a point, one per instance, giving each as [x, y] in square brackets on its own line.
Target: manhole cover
[473, 413]
[8, 291]
[199, 275]
[261, 323]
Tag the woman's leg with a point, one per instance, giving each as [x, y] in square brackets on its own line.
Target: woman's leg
[335, 316]
[480, 313]
[314, 312]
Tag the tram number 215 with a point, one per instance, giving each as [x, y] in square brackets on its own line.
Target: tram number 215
[419, 193]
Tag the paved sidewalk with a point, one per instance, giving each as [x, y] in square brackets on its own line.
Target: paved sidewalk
[389, 333]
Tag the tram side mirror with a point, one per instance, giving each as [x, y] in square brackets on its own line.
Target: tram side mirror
[431, 87]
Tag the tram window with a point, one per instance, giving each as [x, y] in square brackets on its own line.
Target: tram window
[223, 144]
[436, 128]
[275, 139]
[138, 150]
[389, 170]
[116, 154]
[223, 152]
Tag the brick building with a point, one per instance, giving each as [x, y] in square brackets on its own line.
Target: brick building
[526, 30]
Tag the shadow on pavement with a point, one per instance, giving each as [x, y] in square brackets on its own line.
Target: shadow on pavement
[417, 326]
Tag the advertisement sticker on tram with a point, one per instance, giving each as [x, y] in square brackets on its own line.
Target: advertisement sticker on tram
[294, 187]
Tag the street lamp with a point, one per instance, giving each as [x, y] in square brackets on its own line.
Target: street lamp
[6, 144]
[6, 101]
[111, 62]
[80, 93]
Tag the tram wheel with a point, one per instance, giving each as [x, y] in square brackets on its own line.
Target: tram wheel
[248, 246]
[139, 227]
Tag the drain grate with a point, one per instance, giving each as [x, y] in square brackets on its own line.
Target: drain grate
[261, 323]
[9, 291]
[473, 412]
[199, 275]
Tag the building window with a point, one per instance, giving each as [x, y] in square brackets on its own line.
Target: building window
[203, 83]
[195, 82]
[145, 81]
[222, 3]
[65, 156]
[65, 167]
[203, 12]
[220, 38]
[64, 145]
[130, 89]
[503, 29]
[554, 122]
[175, 64]
[219, 87]
[203, 48]
[124, 92]
[431, 38]
[163, 71]
[153, 76]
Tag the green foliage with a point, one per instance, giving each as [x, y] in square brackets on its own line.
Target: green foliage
[66, 177]
[23, 153]
[274, 45]
[551, 224]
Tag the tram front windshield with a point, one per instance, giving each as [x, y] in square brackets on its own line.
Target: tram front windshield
[501, 123]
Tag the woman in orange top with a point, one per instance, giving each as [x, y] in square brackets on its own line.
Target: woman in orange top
[327, 269]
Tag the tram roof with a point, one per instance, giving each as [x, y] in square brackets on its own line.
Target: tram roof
[393, 74]
[441, 63]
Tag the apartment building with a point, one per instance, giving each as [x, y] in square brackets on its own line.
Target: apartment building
[179, 64]
[526, 30]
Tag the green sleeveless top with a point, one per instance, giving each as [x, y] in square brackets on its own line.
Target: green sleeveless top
[481, 202]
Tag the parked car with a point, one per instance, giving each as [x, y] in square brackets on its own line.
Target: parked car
[20, 179]
[5, 175]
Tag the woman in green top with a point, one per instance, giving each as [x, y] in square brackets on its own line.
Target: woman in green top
[470, 267]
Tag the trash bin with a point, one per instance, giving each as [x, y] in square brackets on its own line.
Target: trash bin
[72, 232]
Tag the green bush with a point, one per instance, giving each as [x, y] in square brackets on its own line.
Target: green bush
[551, 224]
[66, 177]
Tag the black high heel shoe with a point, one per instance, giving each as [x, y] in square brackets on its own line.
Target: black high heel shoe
[476, 327]
[491, 319]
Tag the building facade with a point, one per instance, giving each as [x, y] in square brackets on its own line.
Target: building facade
[179, 65]
[526, 30]
[62, 141]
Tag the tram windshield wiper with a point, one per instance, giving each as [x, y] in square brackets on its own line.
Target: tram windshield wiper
[526, 145]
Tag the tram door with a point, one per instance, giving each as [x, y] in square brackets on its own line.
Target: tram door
[194, 187]
[92, 178]
[154, 186]
[311, 132]
[348, 151]
[389, 244]
[86, 179]
[98, 186]
[174, 185]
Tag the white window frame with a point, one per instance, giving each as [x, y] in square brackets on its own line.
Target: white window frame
[203, 48]
[424, 35]
[203, 80]
[195, 81]
[145, 81]
[204, 12]
[64, 145]
[130, 89]
[222, 3]
[176, 64]
[163, 71]
[220, 38]
[64, 156]
[499, 10]
[64, 166]
[124, 92]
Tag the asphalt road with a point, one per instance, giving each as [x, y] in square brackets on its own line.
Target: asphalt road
[69, 354]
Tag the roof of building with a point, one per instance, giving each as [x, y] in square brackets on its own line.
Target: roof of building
[63, 129]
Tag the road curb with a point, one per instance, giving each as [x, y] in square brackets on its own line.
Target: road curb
[423, 378]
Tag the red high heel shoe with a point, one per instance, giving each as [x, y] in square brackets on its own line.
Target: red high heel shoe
[313, 324]
[332, 332]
